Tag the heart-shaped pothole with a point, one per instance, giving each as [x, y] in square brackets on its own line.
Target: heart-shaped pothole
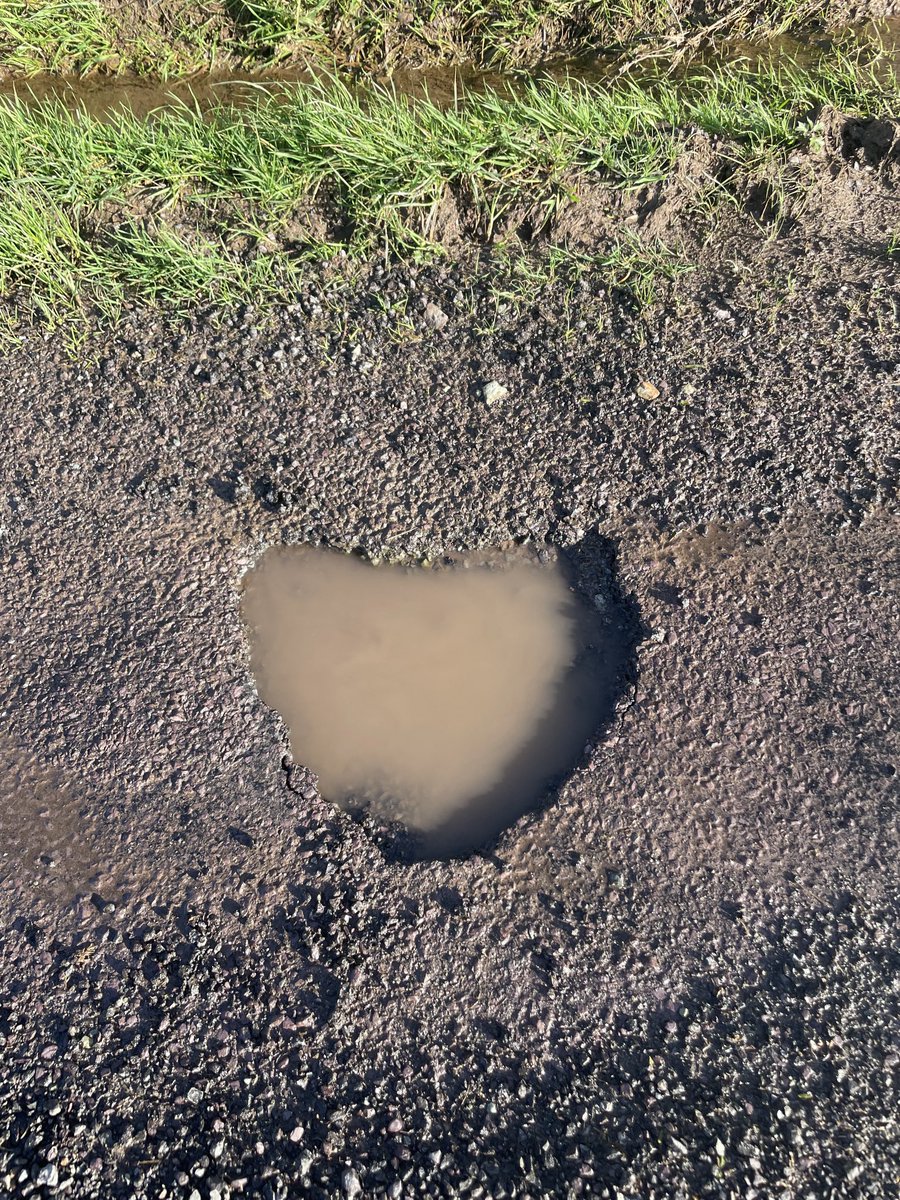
[447, 699]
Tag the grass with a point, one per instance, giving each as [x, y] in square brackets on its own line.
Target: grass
[279, 29]
[507, 33]
[186, 206]
[84, 35]
[54, 35]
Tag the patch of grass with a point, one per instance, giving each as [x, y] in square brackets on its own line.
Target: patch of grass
[194, 46]
[638, 267]
[501, 33]
[187, 205]
[376, 35]
[54, 35]
[55, 269]
[280, 29]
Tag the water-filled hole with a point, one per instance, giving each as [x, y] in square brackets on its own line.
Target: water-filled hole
[445, 700]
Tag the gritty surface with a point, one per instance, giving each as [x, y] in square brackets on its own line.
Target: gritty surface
[679, 979]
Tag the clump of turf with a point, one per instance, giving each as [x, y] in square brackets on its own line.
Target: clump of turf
[164, 208]
[54, 35]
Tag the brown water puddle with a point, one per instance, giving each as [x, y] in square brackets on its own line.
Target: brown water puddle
[445, 699]
[101, 95]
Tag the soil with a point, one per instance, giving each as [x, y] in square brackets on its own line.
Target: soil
[677, 979]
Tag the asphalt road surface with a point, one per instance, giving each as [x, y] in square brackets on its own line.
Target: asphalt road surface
[679, 978]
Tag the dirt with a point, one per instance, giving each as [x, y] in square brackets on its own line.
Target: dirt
[678, 978]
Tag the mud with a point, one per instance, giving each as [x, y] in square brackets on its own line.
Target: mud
[679, 976]
[42, 836]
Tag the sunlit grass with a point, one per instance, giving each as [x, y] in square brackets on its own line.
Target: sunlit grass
[103, 209]
[630, 264]
[82, 35]
[505, 33]
[53, 35]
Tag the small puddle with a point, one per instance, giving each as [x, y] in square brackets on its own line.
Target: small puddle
[103, 96]
[447, 699]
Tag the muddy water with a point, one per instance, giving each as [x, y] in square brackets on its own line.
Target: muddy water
[444, 699]
[102, 95]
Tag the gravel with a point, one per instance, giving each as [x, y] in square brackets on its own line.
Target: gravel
[680, 978]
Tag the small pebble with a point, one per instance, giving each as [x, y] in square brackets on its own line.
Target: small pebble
[493, 392]
[48, 1176]
[350, 1183]
[435, 317]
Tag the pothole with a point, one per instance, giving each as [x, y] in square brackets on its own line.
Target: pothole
[444, 699]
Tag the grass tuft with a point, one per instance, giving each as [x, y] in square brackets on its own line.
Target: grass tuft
[96, 210]
[53, 35]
